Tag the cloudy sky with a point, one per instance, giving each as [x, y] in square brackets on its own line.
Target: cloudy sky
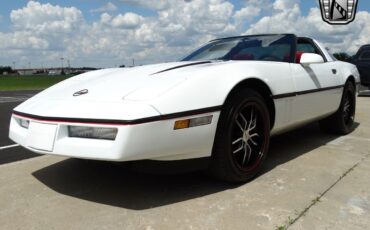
[110, 33]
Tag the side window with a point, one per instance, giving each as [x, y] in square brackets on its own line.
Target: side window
[365, 56]
[306, 48]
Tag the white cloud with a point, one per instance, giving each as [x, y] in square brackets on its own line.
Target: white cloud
[128, 20]
[284, 5]
[105, 18]
[56, 31]
[282, 20]
[287, 17]
[22, 40]
[108, 7]
[46, 17]
[246, 13]
[195, 18]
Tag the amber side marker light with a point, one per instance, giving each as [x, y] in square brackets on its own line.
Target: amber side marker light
[193, 122]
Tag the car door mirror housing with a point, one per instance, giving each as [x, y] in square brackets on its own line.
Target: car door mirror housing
[311, 58]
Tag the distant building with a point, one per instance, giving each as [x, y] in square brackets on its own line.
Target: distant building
[25, 71]
[53, 71]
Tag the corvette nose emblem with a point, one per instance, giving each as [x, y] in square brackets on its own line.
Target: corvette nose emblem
[81, 92]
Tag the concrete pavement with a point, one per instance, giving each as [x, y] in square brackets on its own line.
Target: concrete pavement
[311, 181]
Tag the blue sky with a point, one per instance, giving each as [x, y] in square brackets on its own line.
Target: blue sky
[87, 5]
[84, 5]
[110, 33]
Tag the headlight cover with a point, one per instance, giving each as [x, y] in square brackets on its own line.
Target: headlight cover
[92, 132]
[23, 122]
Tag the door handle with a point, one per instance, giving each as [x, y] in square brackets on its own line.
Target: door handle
[334, 71]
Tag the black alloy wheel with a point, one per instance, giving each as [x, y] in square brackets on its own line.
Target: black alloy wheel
[343, 120]
[242, 137]
[349, 109]
[248, 138]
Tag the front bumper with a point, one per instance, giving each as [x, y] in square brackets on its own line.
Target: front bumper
[152, 140]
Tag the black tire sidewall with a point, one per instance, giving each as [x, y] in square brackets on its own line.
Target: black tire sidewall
[348, 89]
[222, 151]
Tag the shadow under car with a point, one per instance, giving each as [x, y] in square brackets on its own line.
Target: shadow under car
[119, 185]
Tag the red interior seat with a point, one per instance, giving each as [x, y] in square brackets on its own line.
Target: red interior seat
[298, 56]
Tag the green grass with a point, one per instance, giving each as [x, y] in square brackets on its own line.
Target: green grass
[31, 82]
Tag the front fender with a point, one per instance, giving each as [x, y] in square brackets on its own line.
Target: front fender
[210, 87]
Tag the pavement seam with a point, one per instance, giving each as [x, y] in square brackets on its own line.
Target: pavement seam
[9, 146]
[290, 221]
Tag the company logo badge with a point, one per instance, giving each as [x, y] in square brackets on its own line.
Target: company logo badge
[338, 12]
[81, 92]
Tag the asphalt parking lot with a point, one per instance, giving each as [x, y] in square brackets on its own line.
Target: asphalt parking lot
[9, 100]
[311, 180]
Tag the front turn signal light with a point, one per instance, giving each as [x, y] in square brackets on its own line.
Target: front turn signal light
[193, 122]
[182, 124]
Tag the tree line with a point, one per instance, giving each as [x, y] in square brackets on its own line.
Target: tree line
[6, 69]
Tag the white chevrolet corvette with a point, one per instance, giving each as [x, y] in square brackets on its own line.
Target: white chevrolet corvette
[223, 101]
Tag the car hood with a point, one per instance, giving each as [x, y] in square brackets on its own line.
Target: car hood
[119, 84]
[127, 90]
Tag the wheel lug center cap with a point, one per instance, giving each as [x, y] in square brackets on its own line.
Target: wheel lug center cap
[246, 136]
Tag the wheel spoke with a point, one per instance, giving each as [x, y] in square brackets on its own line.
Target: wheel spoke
[240, 148]
[251, 138]
[346, 106]
[253, 122]
[347, 109]
[247, 154]
[237, 140]
[245, 121]
[240, 126]
[254, 125]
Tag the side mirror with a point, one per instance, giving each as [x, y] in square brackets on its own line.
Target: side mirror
[310, 58]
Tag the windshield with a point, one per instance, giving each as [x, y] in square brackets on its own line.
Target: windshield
[260, 48]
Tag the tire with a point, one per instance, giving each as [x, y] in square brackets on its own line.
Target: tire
[242, 137]
[342, 121]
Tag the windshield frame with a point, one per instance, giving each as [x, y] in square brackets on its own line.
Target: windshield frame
[290, 37]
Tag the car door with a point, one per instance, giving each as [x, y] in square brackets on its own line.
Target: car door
[316, 85]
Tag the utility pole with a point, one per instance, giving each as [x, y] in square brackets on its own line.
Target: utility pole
[62, 59]
[13, 65]
[133, 62]
[69, 66]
